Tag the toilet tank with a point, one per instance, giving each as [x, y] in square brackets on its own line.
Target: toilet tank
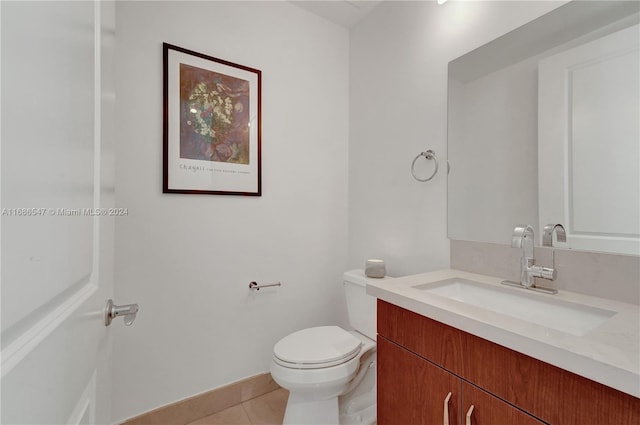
[360, 306]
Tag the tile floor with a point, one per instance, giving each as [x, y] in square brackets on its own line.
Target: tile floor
[268, 409]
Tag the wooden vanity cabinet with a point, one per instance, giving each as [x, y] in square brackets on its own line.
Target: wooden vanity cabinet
[412, 391]
[420, 360]
[490, 410]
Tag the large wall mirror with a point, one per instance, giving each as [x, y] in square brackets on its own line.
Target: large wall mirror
[543, 128]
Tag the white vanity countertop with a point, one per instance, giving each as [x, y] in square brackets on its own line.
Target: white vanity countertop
[608, 354]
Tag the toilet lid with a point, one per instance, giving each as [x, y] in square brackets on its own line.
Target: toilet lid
[322, 346]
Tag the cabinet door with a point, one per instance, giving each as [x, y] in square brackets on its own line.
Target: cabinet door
[490, 410]
[411, 390]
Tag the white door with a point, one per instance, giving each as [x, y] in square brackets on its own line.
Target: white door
[57, 249]
[589, 143]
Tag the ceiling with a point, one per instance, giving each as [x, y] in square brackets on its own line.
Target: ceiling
[346, 13]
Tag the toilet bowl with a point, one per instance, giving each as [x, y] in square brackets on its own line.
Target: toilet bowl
[329, 371]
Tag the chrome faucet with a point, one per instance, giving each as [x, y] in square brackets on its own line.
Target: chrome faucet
[523, 237]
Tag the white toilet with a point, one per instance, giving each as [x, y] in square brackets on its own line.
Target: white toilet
[330, 372]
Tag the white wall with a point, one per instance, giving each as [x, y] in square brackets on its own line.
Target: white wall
[187, 259]
[398, 98]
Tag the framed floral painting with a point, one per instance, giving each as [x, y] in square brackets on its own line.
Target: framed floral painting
[212, 125]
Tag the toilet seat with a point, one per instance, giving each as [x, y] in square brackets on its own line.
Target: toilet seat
[316, 348]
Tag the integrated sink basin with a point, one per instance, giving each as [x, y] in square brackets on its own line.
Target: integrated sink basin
[572, 318]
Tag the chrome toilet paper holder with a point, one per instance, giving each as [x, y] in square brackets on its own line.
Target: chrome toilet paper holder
[254, 285]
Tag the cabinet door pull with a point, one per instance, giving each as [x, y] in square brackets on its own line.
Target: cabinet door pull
[446, 409]
[469, 413]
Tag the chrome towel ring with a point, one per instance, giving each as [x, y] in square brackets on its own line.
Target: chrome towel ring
[428, 154]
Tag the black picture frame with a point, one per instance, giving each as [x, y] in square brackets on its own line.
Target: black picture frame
[212, 125]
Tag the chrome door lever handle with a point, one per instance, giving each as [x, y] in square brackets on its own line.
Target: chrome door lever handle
[128, 312]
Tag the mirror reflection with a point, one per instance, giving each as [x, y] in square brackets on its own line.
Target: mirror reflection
[543, 129]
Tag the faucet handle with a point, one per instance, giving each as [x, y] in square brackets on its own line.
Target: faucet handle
[520, 232]
[547, 234]
[544, 272]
